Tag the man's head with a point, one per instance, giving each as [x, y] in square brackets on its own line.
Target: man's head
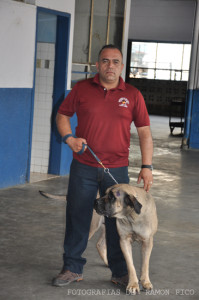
[109, 46]
[110, 65]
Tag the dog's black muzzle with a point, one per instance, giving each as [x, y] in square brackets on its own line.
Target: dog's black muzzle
[101, 208]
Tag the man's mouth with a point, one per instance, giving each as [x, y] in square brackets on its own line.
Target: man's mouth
[110, 72]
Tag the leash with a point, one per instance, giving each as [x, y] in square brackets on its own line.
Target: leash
[106, 170]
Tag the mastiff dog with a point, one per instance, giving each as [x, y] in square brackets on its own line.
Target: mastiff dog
[136, 219]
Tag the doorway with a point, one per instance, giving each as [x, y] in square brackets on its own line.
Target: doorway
[48, 45]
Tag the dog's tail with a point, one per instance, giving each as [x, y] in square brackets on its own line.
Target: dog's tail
[52, 196]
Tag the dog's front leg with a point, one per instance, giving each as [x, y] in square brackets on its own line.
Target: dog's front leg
[126, 247]
[101, 245]
[96, 223]
[147, 246]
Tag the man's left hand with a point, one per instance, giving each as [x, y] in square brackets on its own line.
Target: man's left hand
[147, 177]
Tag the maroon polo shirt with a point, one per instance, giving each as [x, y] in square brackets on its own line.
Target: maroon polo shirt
[104, 119]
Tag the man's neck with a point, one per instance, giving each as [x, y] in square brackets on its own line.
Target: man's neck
[109, 86]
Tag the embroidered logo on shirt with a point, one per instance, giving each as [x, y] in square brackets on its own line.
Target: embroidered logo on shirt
[123, 102]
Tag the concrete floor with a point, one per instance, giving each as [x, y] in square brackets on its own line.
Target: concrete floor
[32, 231]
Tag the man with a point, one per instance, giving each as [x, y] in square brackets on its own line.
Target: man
[105, 106]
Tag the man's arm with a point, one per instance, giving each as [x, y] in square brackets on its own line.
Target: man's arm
[64, 128]
[146, 147]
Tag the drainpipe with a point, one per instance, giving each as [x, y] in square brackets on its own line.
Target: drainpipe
[192, 83]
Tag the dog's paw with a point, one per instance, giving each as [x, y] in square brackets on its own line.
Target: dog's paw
[132, 289]
[147, 285]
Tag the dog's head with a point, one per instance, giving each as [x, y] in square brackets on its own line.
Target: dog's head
[117, 203]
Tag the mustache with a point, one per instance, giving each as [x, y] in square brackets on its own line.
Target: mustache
[111, 71]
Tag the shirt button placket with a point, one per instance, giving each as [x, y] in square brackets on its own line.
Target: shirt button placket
[105, 92]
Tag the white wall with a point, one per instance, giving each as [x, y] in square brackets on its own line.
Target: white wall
[17, 38]
[194, 64]
[61, 5]
[162, 20]
[125, 34]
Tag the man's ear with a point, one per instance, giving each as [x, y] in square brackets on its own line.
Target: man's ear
[97, 65]
[133, 202]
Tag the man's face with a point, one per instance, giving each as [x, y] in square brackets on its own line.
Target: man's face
[110, 66]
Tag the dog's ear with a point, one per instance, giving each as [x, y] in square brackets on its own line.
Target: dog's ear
[133, 202]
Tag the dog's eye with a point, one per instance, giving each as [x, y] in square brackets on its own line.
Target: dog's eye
[111, 197]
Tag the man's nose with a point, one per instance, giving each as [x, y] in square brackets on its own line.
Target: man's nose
[111, 64]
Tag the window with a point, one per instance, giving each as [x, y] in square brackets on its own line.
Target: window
[96, 23]
[160, 61]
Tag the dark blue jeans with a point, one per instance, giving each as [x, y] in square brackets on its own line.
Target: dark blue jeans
[84, 182]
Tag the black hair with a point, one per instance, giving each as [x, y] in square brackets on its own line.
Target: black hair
[109, 46]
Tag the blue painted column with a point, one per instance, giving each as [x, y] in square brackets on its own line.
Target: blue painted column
[60, 153]
[191, 130]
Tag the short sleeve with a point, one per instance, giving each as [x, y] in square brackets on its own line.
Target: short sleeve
[69, 104]
[140, 114]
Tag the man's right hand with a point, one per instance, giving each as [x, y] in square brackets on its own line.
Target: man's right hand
[64, 128]
[76, 143]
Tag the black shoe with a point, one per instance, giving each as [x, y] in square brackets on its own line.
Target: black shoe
[122, 281]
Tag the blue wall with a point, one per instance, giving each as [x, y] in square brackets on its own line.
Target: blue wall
[194, 130]
[191, 129]
[15, 119]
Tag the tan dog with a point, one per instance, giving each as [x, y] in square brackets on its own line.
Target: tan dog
[97, 223]
[136, 216]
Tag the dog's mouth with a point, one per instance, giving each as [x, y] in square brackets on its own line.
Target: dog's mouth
[99, 211]
[112, 215]
[103, 209]
[108, 214]
[105, 213]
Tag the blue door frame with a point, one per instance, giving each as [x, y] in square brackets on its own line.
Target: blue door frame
[60, 157]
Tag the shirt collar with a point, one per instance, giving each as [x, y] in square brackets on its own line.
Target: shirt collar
[121, 85]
